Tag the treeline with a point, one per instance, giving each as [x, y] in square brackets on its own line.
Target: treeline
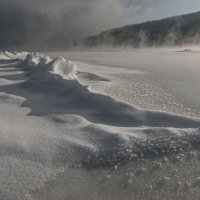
[178, 30]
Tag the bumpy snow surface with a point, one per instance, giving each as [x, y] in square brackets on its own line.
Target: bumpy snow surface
[65, 133]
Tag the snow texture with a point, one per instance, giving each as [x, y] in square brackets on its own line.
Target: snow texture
[56, 130]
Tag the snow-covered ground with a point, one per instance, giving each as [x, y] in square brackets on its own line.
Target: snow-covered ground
[169, 79]
[104, 126]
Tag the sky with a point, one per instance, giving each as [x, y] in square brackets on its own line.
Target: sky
[38, 22]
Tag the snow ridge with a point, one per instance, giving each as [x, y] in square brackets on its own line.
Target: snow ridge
[58, 123]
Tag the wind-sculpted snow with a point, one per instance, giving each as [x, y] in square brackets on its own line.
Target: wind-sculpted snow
[3, 56]
[59, 76]
[51, 122]
[66, 69]
[42, 65]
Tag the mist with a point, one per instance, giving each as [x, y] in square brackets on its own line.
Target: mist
[49, 24]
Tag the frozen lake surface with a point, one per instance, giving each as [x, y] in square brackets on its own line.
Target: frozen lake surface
[100, 125]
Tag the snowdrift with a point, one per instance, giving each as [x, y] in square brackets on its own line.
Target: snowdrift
[3, 56]
[124, 126]
[59, 75]
[58, 123]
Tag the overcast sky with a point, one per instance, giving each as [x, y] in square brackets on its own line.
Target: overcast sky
[35, 21]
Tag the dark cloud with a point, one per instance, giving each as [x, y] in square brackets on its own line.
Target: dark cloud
[55, 23]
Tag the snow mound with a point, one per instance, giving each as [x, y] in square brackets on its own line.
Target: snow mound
[33, 60]
[3, 56]
[64, 68]
[41, 65]
[16, 55]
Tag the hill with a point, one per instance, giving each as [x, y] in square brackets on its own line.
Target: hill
[177, 30]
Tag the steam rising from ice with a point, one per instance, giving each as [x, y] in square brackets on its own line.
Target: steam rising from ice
[56, 24]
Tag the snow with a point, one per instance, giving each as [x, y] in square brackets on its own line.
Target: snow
[169, 79]
[3, 56]
[65, 68]
[63, 135]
